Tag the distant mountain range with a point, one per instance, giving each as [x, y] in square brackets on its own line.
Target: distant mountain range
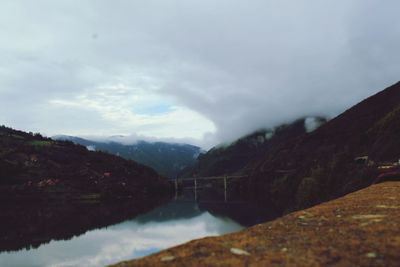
[168, 159]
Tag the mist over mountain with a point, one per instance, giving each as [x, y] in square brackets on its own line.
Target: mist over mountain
[208, 70]
[321, 165]
[168, 159]
[226, 159]
[312, 160]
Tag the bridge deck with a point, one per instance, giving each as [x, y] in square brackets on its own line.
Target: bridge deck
[211, 178]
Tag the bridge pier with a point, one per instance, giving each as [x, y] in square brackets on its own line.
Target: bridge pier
[176, 188]
[195, 189]
[225, 186]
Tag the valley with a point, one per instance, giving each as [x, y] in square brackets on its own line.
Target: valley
[168, 159]
[75, 186]
[199, 133]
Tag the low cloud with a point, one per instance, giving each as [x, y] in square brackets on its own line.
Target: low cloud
[210, 70]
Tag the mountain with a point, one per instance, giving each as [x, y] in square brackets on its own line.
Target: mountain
[166, 158]
[296, 165]
[34, 166]
[321, 165]
[232, 158]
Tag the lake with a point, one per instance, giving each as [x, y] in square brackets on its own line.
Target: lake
[55, 234]
[166, 226]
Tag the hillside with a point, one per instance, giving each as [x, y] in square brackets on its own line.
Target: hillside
[34, 166]
[291, 167]
[168, 159]
[321, 165]
[232, 158]
[360, 229]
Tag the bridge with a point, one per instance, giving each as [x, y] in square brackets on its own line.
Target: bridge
[197, 183]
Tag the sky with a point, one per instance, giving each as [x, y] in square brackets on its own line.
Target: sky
[194, 71]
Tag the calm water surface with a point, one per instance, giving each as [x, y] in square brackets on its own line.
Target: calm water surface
[166, 226]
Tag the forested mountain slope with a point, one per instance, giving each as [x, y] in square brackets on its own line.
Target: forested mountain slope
[31, 165]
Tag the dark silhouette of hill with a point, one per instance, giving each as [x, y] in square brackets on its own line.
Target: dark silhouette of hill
[167, 159]
[321, 165]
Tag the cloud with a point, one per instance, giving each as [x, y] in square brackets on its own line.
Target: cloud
[209, 70]
[123, 108]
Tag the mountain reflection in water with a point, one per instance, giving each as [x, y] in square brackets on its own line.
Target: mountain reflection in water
[163, 227]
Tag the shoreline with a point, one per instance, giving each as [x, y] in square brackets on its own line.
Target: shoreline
[359, 229]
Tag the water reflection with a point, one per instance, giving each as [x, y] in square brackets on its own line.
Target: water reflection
[163, 227]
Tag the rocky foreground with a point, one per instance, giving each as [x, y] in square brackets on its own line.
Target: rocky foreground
[360, 229]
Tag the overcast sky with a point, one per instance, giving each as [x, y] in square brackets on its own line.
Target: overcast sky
[205, 71]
